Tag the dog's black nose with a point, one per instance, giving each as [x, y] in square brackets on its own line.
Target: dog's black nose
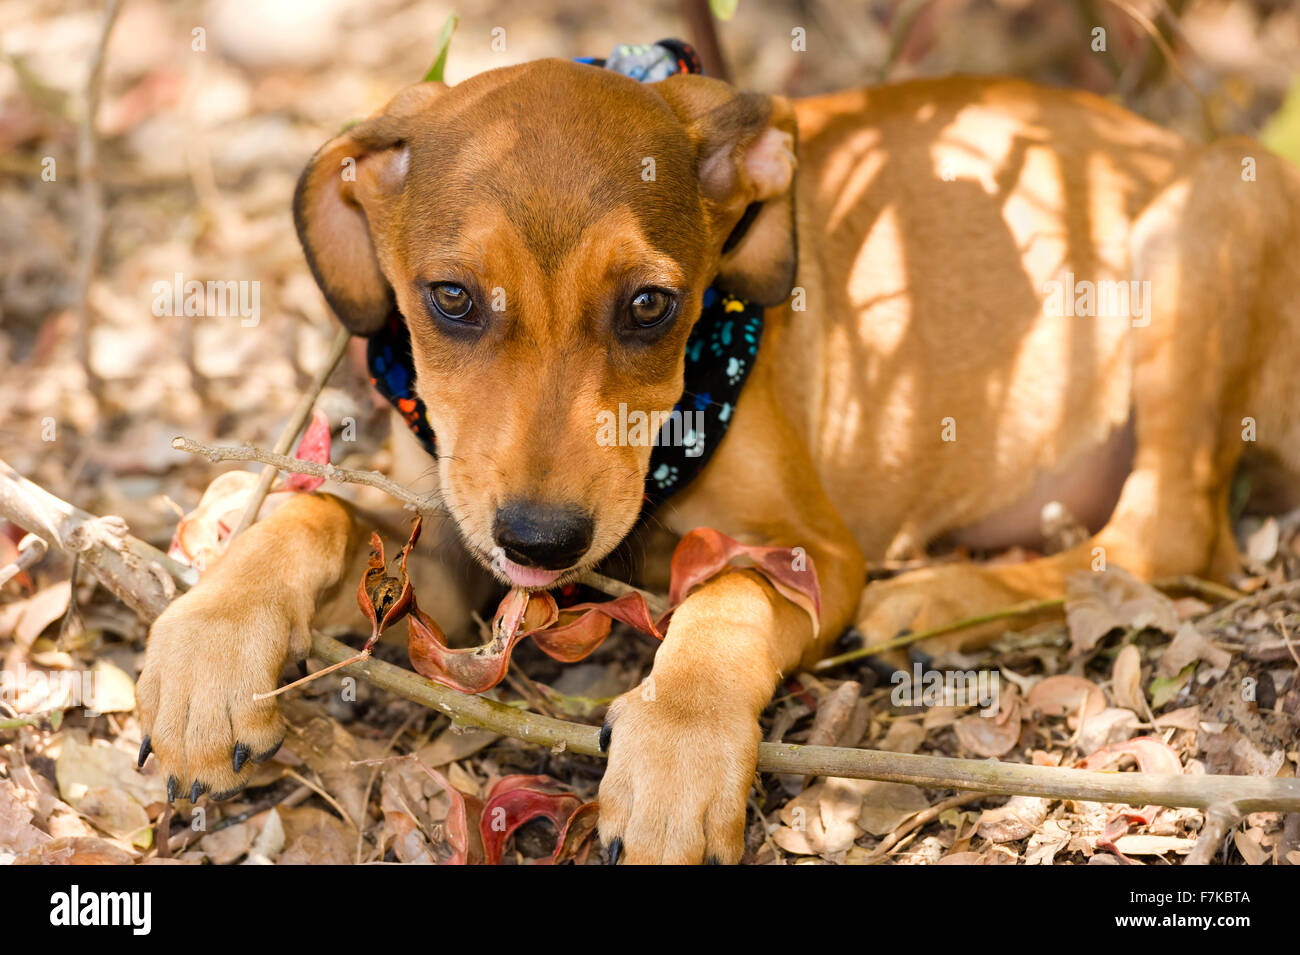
[538, 536]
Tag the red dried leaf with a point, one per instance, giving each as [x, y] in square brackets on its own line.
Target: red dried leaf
[701, 554]
[516, 800]
[475, 669]
[575, 640]
[315, 447]
[462, 843]
[574, 841]
[382, 597]
[704, 552]
[202, 534]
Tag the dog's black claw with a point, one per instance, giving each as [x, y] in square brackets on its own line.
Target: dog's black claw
[145, 749]
[197, 790]
[302, 668]
[851, 637]
[884, 670]
[263, 757]
[614, 851]
[240, 756]
[605, 732]
[172, 785]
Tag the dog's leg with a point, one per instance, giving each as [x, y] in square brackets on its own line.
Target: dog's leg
[1210, 375]
[683, 746]
[229, 638]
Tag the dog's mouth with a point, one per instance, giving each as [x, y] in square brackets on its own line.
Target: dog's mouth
[525, 577]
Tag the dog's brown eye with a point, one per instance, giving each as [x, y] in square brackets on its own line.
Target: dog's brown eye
[451, 301]
[650, 307]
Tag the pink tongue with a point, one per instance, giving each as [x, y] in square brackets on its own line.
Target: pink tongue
[522, 576]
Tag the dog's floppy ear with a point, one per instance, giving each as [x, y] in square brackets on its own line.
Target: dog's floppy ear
[344, 199]
[745, 159]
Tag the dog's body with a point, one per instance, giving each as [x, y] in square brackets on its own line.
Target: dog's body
[914, 387]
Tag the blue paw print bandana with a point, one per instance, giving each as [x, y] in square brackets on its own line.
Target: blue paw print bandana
[719, 354]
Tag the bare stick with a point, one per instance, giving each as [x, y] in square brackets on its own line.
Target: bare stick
[293, 428]
[703, 31]
[144, 577]
[1247, 793]
[1218, 821]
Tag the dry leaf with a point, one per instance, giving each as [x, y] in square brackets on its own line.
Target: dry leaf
[1109, 726]
[803, 833]
[269, 842]
[1261, 545]
[315, 837]
[1126, 679]
[1188, 646]
[1097, 603]
[114, 691]
[886, 805]
[1187, 718]
[81, 768]
[83, 850]
[1139, 845]
[903, 736]
[17, 834]
[840, 805]
[1069, 696]
[1016, 819]
[455, 743]
[1249, 847]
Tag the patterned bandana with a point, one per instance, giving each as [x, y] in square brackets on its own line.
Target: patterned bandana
[719, 354]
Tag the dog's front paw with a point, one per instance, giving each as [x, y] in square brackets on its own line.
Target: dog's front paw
[680, 768]
[208, 654]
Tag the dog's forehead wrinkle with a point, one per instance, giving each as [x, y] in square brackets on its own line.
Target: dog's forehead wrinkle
[544, 154]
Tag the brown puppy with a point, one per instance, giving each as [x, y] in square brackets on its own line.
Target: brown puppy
[925, 379]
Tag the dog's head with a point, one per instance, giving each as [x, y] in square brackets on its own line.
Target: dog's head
[547, 232]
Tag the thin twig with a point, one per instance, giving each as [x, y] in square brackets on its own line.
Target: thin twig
[1018, 610]
[423, 504]
[1027, 609]
[91, 199]
[1145, 22]
[30, 550]
[1280, 620]
[370, 784]
[1287, 591]
[919, 819]
[293, 428]
[319, 790]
